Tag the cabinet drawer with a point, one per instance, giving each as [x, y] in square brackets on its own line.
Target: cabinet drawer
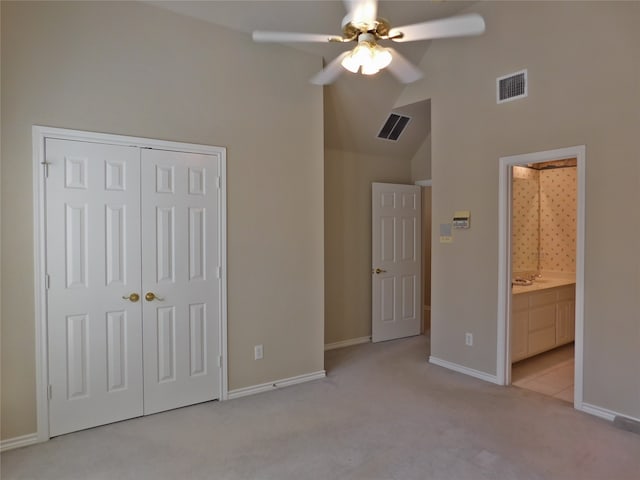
[542, 317]
[520, 302]
[543, 297]
[567, 292]
[542, 340]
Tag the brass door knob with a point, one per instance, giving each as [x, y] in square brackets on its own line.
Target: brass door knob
[134, 297]
[150, 296]
[379, 270]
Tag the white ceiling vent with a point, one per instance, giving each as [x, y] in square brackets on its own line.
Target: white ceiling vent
[393, 127]
[511, 87]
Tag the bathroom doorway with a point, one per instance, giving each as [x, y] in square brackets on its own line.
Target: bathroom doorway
[426, 257]
[541, 272]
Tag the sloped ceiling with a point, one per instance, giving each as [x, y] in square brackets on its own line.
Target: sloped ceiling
[356, 106]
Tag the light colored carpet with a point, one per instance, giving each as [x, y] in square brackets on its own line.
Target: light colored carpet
[383, 412]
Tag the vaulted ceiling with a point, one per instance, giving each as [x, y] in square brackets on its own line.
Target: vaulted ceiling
[356, 106]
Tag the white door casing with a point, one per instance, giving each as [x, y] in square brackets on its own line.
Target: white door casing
[180, 265]
[395, 265]
[89, 236]
[503, 354]
[93, 261]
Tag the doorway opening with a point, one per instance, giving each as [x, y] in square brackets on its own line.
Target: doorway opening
[426, 256]
[541, 272]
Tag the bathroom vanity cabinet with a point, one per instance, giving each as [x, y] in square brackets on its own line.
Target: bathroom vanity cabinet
[542, 320]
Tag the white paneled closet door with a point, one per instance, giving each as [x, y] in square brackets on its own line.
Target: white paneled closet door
[93, 261]
[133, 267]
[181, 278]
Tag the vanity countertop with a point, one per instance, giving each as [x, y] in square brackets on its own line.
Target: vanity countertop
[543, 283]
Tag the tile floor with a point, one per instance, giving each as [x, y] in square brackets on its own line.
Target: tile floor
[550, 373]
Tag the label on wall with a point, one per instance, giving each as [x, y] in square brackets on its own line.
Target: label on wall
[445, 233]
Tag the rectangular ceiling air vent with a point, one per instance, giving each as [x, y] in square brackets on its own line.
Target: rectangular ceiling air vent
[393, 127]
[511, 87]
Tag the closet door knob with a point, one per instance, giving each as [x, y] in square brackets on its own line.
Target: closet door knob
[134, 297]
[150, 296]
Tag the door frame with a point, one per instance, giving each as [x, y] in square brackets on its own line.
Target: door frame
[504, 261]
[39, 135]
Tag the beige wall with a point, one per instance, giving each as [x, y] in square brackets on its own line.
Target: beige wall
[584, 72]
[421, 161]
[134, 69]
[348, 178]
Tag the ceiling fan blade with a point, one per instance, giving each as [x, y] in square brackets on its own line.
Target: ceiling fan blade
[284, 37]
[331, 71]
[461, 26]
[403, 69]
[361, 12]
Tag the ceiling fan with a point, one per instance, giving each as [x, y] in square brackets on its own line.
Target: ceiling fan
[362, 25]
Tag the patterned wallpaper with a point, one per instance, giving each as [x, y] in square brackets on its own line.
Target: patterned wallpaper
[558, 204]
[525, 228]
[544, 219]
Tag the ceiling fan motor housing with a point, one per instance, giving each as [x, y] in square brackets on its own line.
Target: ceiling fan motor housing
[379, 29]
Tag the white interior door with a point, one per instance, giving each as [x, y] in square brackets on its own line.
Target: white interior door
[92, 262]
[181, 261]
[395, 263]
[133, 266]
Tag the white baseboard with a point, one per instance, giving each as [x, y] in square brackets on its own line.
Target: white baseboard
[346, 343]
[603, 412]
[17, 442]
[466, 370]
[266, 387]
[598, 411]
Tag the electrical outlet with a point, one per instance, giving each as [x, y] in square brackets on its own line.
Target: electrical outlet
[257, 352]
[468, 339]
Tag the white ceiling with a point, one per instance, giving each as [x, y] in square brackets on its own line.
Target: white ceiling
[355, 106]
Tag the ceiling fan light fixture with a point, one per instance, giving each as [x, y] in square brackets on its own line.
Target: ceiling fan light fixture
[381, 57]
[350, 63]
[369, 69]
[367, 56]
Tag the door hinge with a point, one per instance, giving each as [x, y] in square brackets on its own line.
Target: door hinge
[219, 182]
[220, 361]
[45, 168]
[50, 391]
[219, 272]
[47, 281]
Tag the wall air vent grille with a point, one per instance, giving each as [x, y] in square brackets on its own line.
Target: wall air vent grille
[512, 86]
[393, 127]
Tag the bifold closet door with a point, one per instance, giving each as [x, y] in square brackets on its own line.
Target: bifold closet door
[180, 278]
[93, 267]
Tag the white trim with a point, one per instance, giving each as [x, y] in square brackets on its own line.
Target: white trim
[39, 134]
[503, 373]
[224, 377]
[604, 412]
[347, 343]
[598, 411]
[113, 139]
[267, 387]
[424, 183]
[462, 369]
[17, 442]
